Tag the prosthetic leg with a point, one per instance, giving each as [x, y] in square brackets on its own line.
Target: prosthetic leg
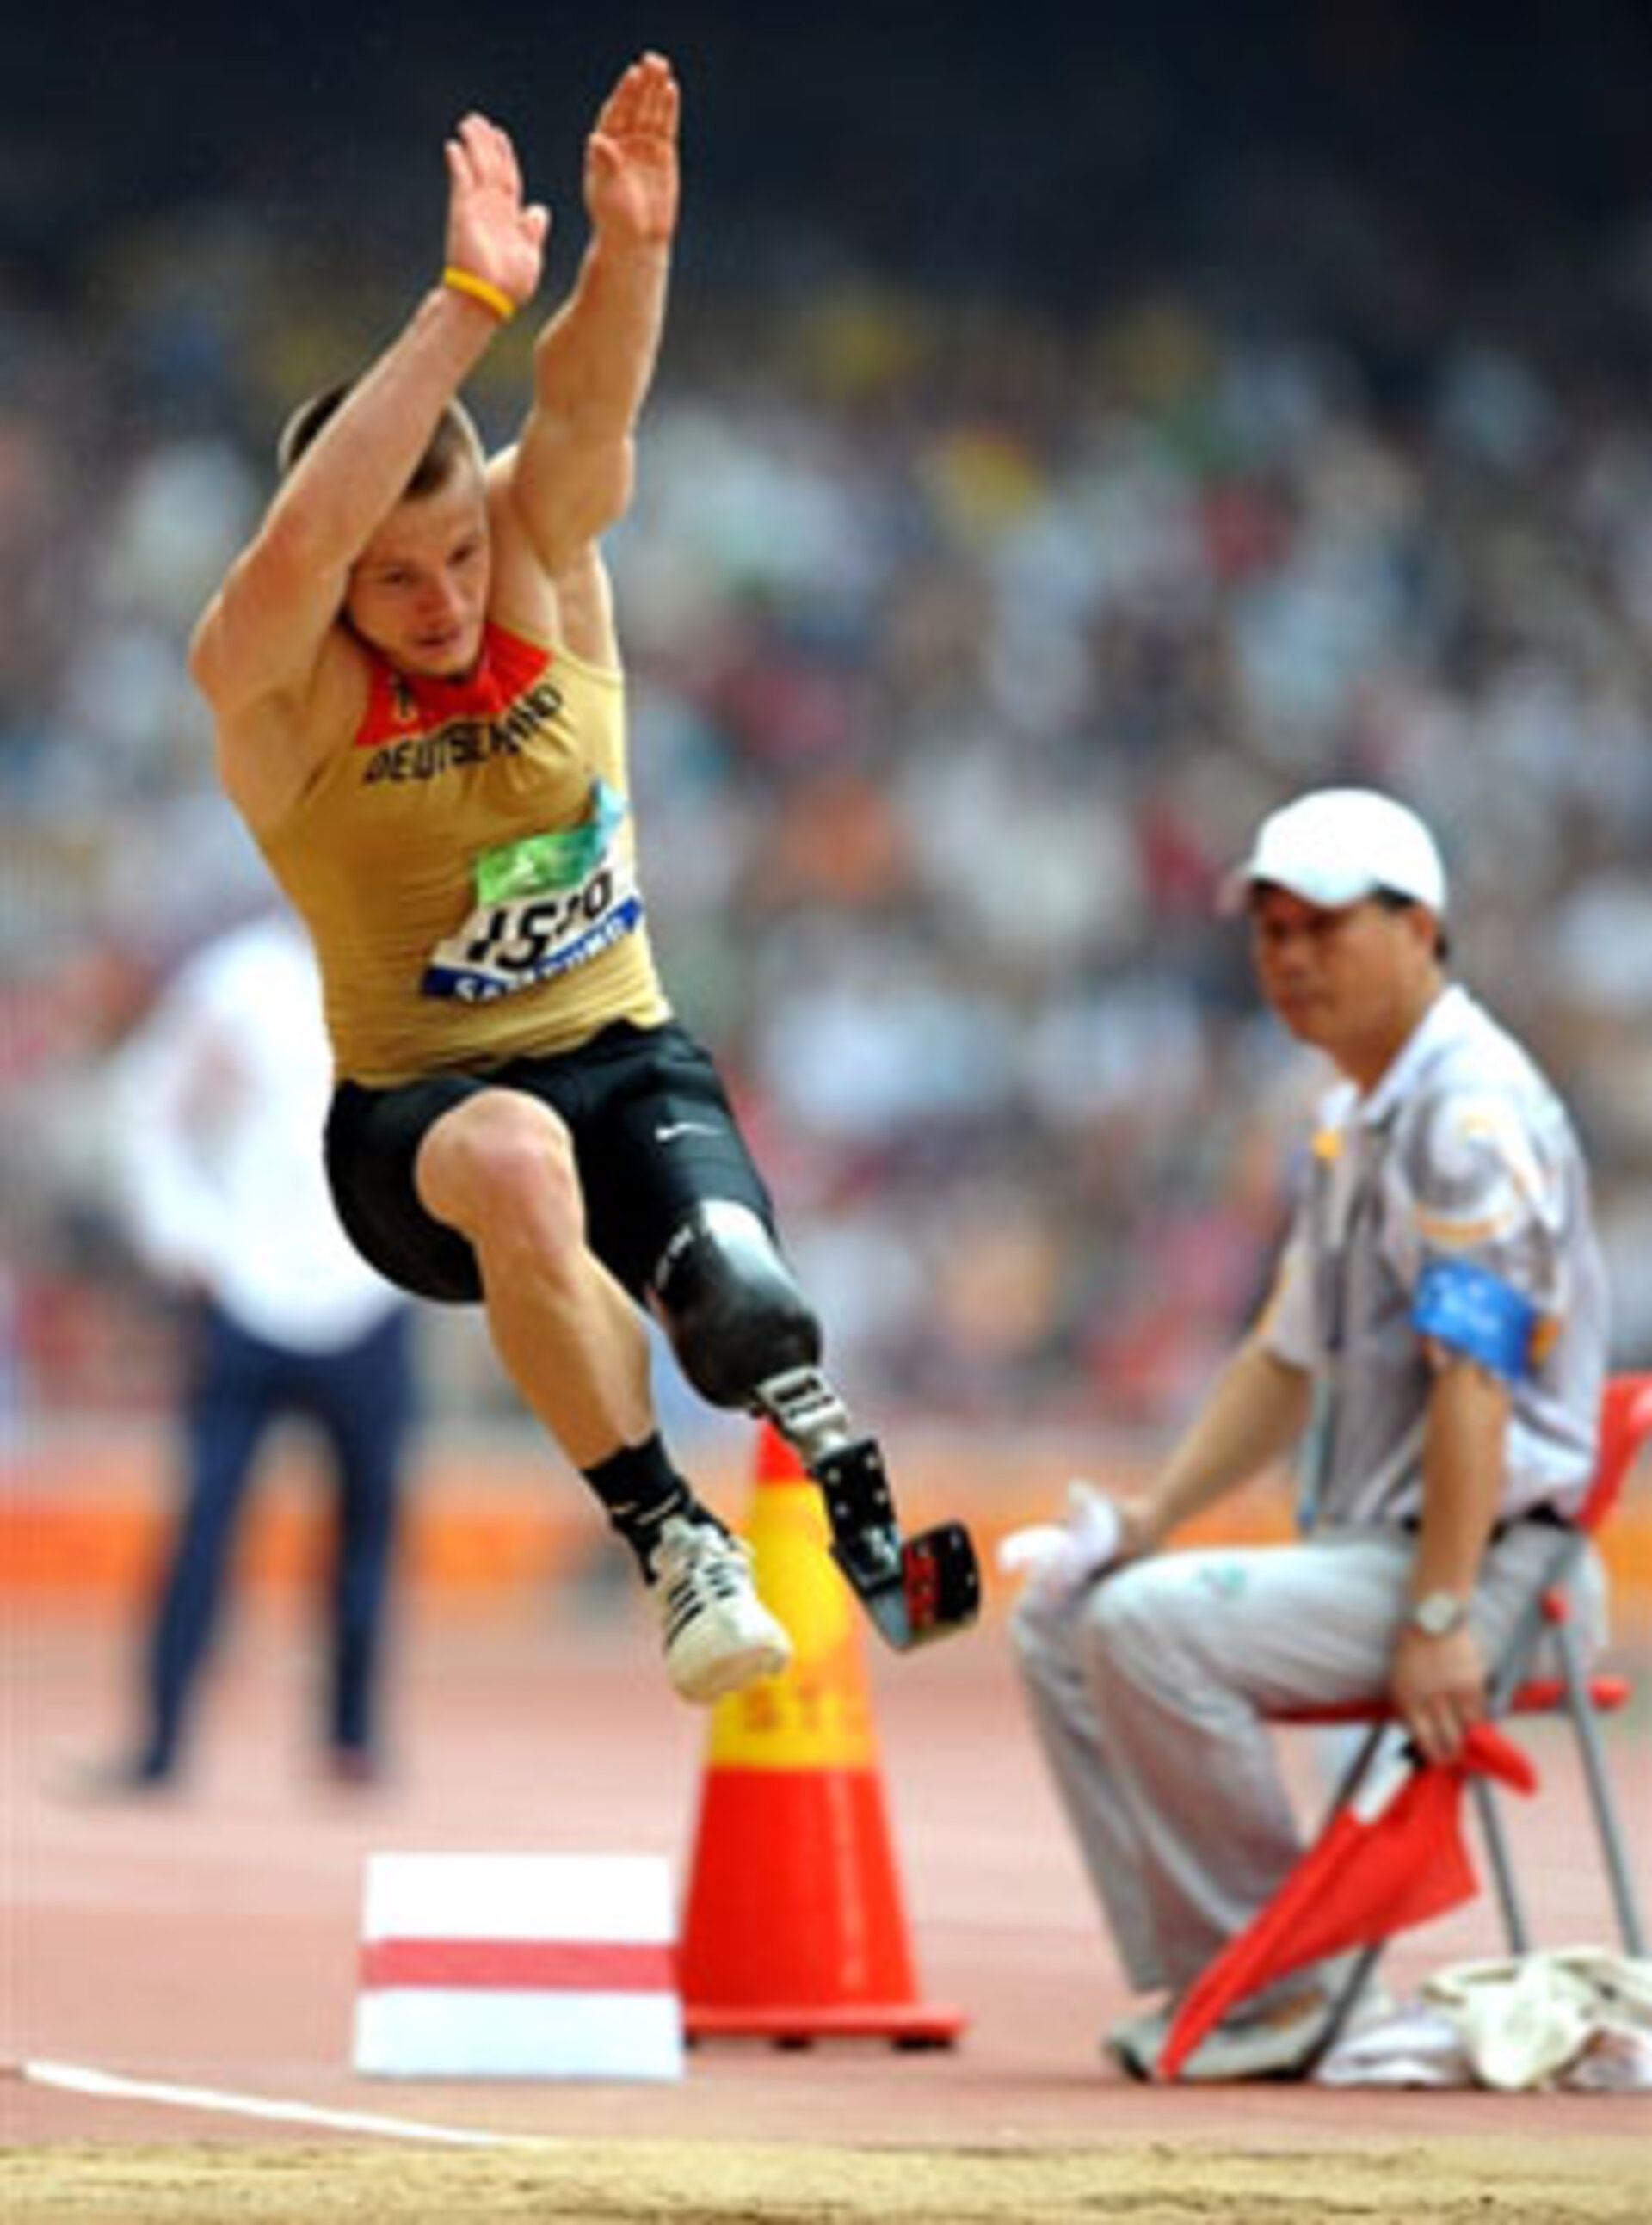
[746, 1337]
[913, 1589]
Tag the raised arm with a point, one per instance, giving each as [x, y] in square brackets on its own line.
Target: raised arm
[260, 649]
[571, 475]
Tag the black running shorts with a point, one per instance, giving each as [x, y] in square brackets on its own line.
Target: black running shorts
[653, 1136]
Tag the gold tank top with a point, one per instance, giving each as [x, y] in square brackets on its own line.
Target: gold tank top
[467, 868]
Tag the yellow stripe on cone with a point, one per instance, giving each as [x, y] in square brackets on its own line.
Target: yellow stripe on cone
[817, 1715]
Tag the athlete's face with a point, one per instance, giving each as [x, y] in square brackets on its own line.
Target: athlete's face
[418, 590]
[1353, 981]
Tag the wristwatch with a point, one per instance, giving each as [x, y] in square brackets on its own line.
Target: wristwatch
[1436, 1615]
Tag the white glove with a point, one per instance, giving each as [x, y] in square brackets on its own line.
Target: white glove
[1060, 1558]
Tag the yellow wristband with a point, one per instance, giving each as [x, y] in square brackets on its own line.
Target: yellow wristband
[480, 289]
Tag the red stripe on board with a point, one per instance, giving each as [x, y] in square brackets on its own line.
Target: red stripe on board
[590, 1966]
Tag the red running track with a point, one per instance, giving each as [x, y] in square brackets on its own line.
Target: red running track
[210, 1937]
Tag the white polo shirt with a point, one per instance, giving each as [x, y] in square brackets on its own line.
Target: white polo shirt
[216, 1110]
[1461, 1158]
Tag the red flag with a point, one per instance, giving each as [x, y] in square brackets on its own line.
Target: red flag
[1392, 1858]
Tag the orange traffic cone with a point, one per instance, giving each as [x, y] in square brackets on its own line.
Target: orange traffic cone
[794, 1928]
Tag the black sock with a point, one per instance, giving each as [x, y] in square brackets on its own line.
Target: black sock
[641, 1492]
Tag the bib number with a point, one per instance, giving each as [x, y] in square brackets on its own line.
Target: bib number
[514, 944]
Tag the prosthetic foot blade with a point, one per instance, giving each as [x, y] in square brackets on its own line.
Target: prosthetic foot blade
[940, 1582]
[913, 1589]
[932, 1590]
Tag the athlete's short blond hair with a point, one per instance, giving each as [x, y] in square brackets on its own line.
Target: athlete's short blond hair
[454, 441]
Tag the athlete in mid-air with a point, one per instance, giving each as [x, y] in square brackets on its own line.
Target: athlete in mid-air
[415, 675]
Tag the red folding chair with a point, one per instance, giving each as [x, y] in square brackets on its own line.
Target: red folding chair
[1581, 1699]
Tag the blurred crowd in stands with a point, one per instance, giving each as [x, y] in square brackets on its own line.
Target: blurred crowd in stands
[967, 638]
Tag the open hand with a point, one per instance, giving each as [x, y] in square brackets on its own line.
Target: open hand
[491, 231]
[630, 170]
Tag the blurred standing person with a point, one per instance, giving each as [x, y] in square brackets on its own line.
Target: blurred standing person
[414, 672]
[1433, 1350]
[217, 1103]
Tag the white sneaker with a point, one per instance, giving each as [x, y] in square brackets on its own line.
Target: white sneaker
[1136, 2041]
[1281, 2042]
[719, 1635]
[1277, 2042]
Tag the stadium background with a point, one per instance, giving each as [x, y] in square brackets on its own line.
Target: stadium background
[1072, 436]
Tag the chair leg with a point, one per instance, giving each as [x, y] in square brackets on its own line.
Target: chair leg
[1352, 1986]
[1502, 1871]
[1355, 1770]
[1580, 1708]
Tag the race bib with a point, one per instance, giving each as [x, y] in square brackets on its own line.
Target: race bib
[545, 905]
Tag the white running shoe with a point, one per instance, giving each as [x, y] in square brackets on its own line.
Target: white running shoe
[1136, 2041]
[1277, 2042]
[719, 1635]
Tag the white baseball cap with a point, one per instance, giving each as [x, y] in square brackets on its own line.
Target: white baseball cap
[1335, 845]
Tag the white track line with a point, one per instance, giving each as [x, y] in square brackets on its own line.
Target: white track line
[76, 2078]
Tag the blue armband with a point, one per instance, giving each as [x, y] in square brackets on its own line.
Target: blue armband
[1475, 1313]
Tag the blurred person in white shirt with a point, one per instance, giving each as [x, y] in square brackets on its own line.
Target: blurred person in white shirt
[216, 1104]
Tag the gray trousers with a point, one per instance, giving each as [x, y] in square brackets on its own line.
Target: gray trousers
[1149, 1693]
